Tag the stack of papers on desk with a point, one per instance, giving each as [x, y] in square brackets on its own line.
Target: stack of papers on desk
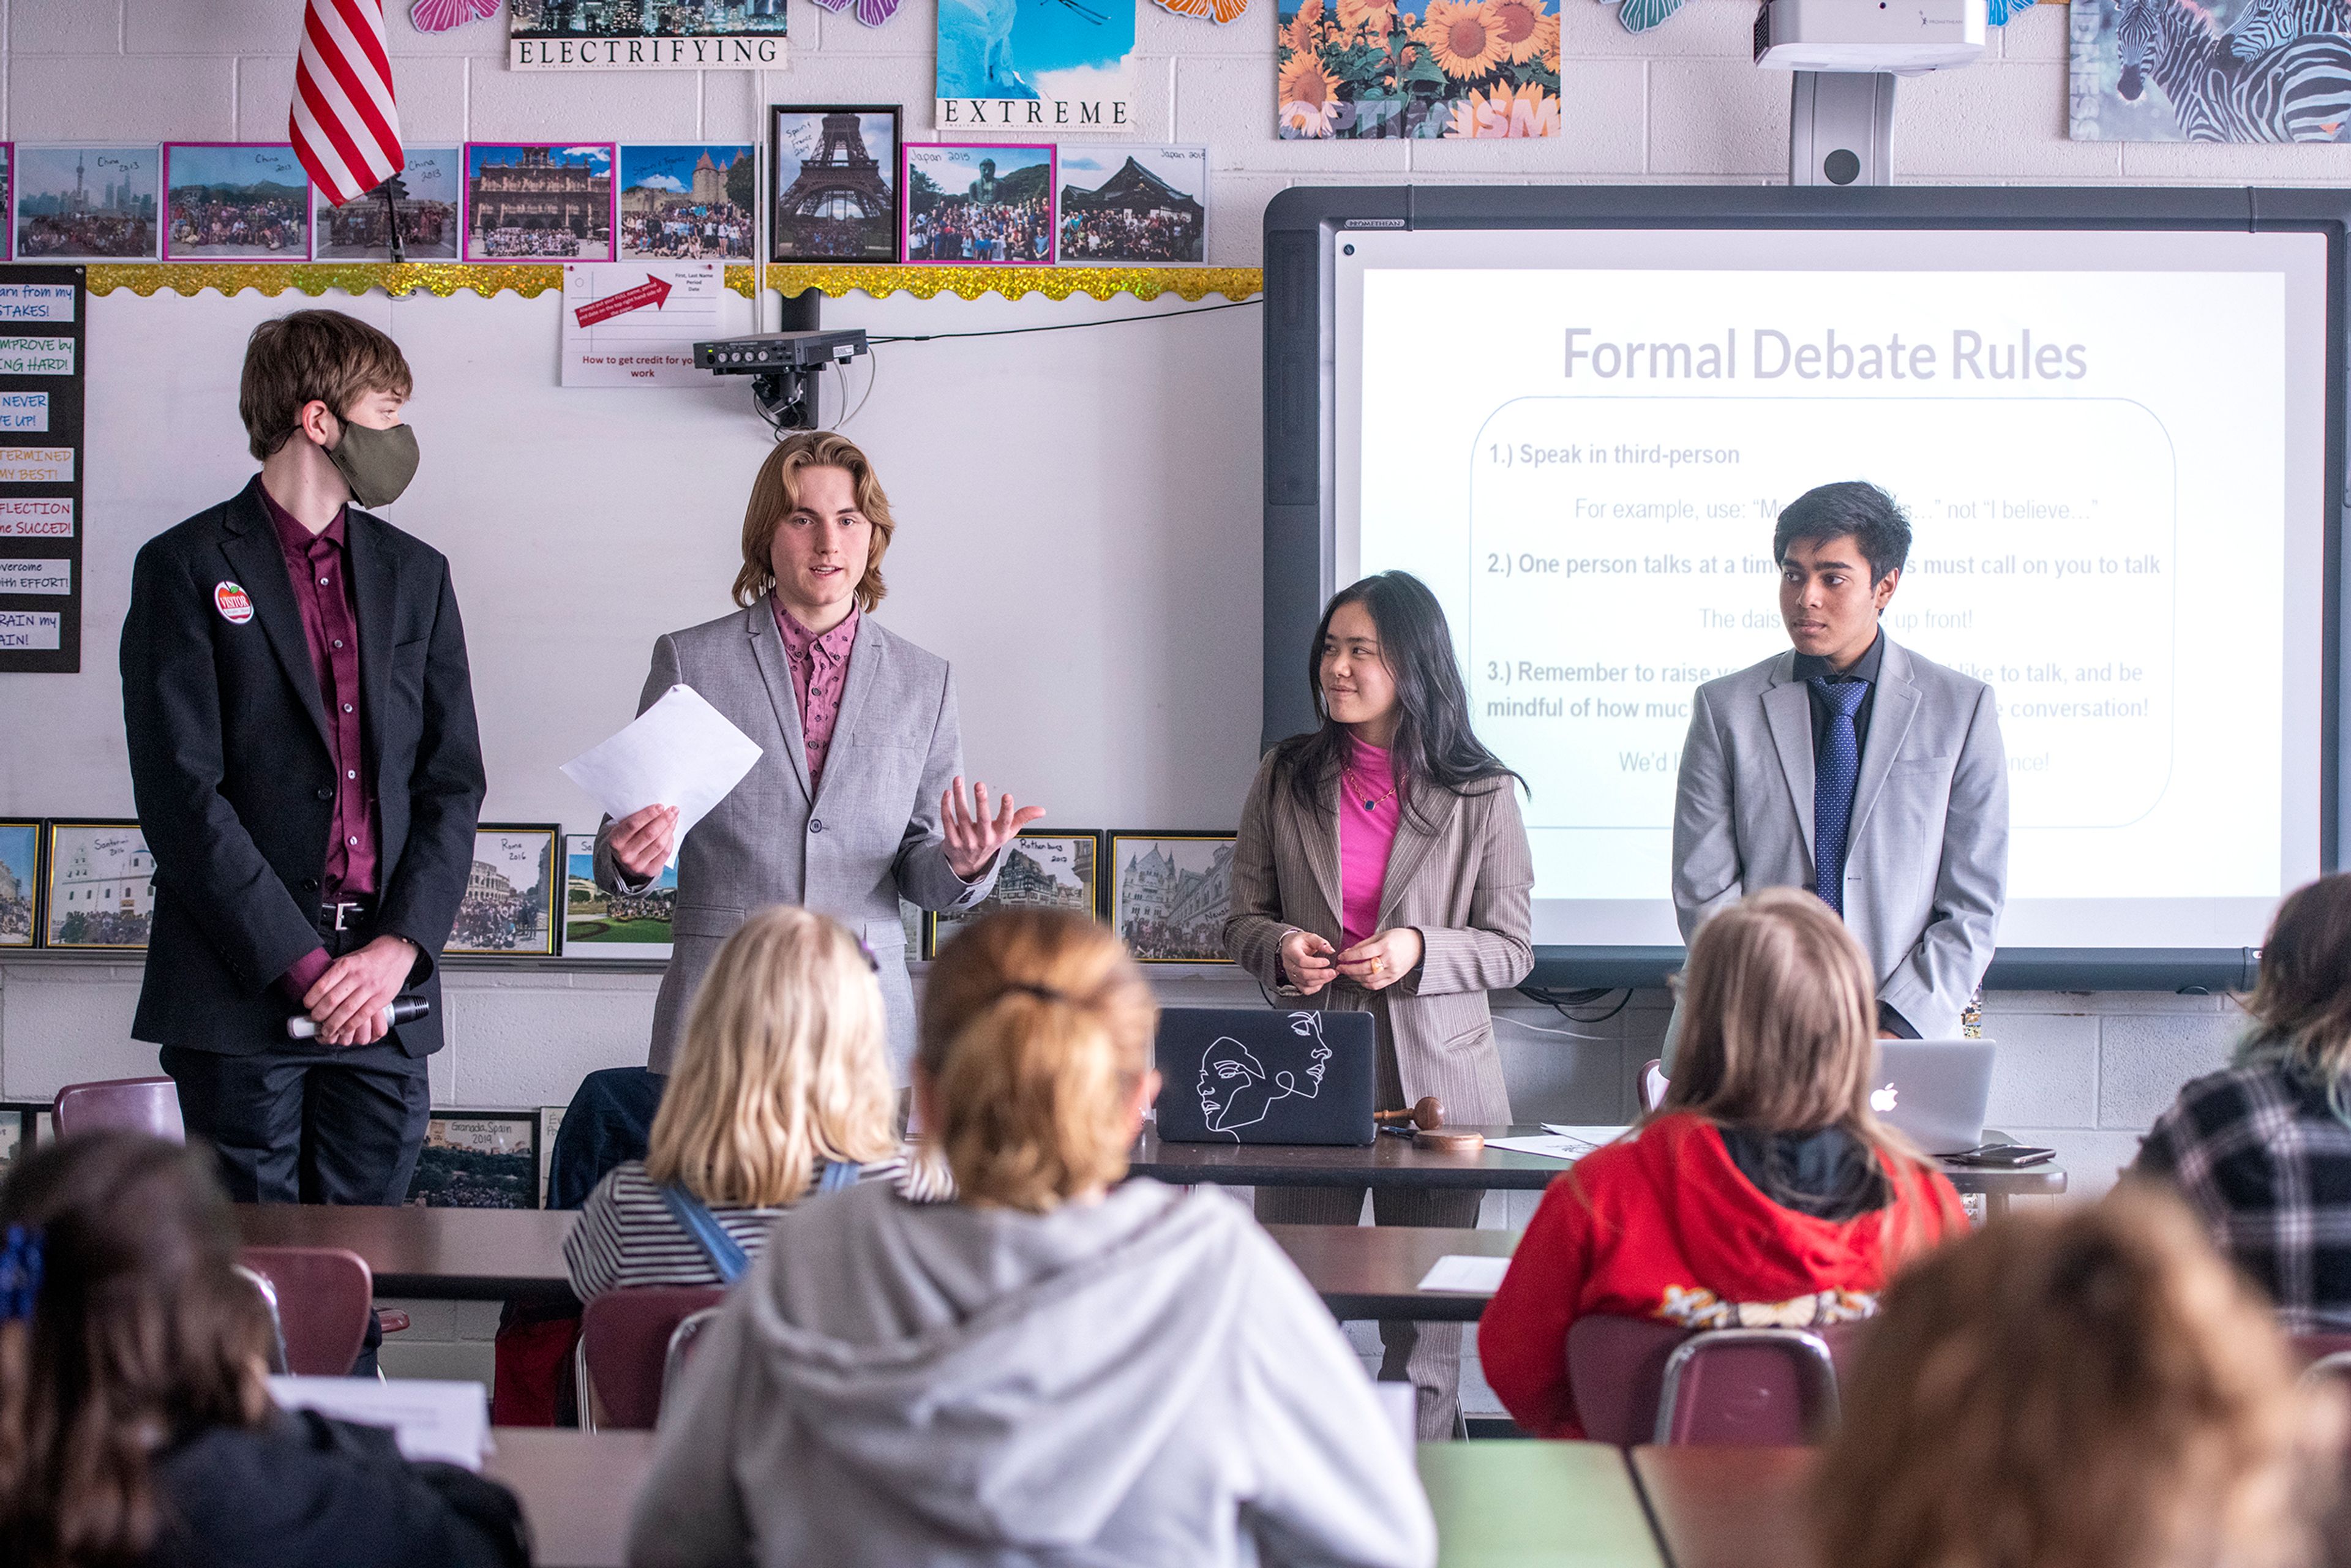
[1559, 1142]
[1466, 1274]
[429, 1419]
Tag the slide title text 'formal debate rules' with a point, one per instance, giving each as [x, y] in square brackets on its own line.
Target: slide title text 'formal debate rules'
[1773, 354]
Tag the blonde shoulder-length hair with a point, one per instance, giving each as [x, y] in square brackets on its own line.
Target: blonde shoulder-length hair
[782, 1066]
[2091, 1387]
[775, 494]
[1779, 1023]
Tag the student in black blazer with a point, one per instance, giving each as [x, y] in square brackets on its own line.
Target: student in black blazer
[303, 756]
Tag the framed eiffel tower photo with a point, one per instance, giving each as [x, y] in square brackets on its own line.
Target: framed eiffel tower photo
[833, 191]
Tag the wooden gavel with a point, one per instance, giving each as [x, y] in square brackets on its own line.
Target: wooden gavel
[1424, 1123]
[1428, 1114]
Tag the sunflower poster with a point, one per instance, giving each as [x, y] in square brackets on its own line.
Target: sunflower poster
[1419, 67]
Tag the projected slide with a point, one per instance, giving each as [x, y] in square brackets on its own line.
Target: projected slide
[2111, 470]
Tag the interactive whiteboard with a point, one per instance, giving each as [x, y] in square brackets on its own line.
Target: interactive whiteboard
[2112, 444]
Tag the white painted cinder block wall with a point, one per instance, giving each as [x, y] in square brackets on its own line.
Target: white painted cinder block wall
[2086, 1072]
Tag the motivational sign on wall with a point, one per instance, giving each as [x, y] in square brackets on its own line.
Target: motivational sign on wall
[42, 310]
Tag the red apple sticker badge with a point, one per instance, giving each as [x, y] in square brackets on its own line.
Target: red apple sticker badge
[235, 604]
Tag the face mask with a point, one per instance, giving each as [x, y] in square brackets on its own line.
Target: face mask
[376, 463]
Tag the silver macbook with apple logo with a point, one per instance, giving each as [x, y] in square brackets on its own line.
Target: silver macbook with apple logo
[1933, 1092]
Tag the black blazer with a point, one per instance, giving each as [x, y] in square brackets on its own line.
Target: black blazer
[235, 785]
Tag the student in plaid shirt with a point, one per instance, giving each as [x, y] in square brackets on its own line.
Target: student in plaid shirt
[2261, 1151]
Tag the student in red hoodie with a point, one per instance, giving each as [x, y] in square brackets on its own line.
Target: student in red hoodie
[1762, 1193]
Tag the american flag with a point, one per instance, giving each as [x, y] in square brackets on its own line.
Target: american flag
[345, 126]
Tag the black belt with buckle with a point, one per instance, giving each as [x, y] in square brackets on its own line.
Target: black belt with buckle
[347, 915]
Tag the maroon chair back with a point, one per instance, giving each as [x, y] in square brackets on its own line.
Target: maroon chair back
[132, 1104]
[624, 1340]
[2313, 1348]
[1639, 1381]
[1615, 1367]
[324, 1295]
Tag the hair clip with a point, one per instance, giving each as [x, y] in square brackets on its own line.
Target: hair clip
[20, 1272]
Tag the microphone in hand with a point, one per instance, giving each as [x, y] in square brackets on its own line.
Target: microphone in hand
[302, 1025]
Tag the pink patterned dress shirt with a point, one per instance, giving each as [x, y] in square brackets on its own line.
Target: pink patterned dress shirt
[820, 674]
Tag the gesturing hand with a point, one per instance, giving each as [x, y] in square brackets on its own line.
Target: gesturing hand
[973, 836]
[641, 840]
[349, 999]
[1378, 962]
[1306, 959]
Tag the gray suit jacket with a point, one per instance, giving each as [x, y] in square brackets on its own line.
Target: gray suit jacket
[1926, 865]
[847, 849]
[1466, 887]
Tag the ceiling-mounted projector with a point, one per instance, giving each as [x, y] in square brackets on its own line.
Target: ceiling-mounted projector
[1904, 37]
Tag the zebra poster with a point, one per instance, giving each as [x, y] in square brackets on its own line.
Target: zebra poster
[2235, 71]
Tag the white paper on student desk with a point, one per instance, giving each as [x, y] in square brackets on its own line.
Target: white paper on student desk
[1558, 1143]
[680, 752]
[1461, 1272]
[430, 1418]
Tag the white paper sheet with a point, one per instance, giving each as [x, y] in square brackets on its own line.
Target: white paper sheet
[680, 752]
[1596, 1135]
[429, 1419]
[1466, 1275]
[1569, 1144]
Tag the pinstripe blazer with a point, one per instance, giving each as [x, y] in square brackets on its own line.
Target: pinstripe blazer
[1466, 887]
[850, 848]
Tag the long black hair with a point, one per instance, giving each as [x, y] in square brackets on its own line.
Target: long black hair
[1434, 746]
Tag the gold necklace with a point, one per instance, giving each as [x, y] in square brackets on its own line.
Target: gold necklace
[1371, 803]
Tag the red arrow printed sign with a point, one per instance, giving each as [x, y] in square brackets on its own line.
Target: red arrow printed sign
[653, 291]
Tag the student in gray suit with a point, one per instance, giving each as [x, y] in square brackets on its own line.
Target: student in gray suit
[1383, 867]
[1853, 766]
[858, 796]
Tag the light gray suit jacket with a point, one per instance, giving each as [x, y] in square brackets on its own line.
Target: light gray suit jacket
[1926, 867]
[847, 849]
[1466, 887]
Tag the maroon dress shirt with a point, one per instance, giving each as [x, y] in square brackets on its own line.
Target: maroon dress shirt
[820, 674]
[320, 567]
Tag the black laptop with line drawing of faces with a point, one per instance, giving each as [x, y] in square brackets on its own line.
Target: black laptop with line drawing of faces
[1257, 1075]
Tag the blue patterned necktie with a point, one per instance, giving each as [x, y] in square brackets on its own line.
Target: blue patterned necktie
[1835, 770]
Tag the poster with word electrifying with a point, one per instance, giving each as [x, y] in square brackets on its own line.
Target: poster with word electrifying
[41, 312]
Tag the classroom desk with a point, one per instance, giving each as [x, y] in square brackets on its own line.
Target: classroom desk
[1729, 1508]
[1533, 1504]
[497, 1255]
[577, 1489]
[1390, 1161]
[1498, 1505]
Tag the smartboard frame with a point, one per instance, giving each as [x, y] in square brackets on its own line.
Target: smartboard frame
[1305, 224]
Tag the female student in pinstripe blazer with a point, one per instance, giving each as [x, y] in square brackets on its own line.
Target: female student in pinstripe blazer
[1383, 867]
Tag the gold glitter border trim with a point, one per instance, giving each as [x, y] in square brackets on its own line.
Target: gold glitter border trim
[1012, 282]
[272, 279]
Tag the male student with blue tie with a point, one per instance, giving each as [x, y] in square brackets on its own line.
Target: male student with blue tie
[1853, 766]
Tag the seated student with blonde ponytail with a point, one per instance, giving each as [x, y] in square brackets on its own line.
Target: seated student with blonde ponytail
[135, 1420]
[780, 1090]
[1762, 1193]
[1057, 1366]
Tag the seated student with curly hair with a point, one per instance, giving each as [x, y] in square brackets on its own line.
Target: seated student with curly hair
[780, 1090]
[1059, 1366]
[1761, 1193]
[2087, 1389]
[2261, 1150]
[135, 1421]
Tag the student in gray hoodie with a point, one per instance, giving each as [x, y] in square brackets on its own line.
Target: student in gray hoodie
[1056, 1367]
